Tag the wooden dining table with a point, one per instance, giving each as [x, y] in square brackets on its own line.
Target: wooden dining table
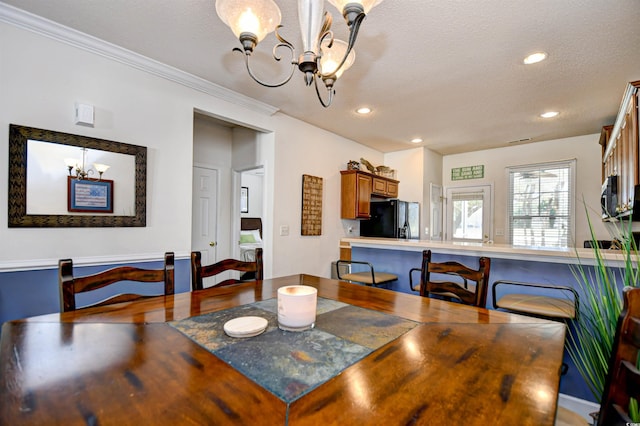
[400, 359]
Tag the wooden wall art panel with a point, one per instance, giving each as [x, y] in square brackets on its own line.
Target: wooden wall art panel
[311, 205]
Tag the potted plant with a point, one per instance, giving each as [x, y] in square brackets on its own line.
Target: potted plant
[591, 335]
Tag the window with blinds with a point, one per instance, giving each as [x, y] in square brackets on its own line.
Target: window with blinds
[541, 204]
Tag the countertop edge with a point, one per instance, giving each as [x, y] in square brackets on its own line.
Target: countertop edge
[500, 251]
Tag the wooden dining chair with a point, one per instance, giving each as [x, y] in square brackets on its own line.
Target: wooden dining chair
[623, 377]
[70, 285]
[198, 272]
[471, 288]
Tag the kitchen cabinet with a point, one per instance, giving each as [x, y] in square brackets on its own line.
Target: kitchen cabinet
[384, 187]
[621, 149]
[356, 194]
[357, 188]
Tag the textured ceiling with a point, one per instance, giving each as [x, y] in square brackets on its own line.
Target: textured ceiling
[449, 72]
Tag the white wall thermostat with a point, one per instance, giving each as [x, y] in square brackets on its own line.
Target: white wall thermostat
[84, 114]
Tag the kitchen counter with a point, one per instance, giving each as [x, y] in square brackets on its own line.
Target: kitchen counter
[496, 251]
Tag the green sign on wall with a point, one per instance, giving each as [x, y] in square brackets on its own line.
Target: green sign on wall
[468, 172]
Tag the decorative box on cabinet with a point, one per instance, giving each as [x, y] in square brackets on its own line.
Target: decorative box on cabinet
[358, 187]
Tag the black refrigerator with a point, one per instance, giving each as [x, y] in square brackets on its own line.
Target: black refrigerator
[392, 219]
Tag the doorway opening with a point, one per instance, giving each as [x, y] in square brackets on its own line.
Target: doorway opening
[228, 169]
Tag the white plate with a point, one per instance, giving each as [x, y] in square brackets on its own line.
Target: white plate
[245, 326]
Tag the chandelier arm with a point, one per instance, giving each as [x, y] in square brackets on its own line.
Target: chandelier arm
[329, 89]
[327, 21]
[247, 55]
[353, 35]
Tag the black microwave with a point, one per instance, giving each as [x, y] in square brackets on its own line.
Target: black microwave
[609, 197]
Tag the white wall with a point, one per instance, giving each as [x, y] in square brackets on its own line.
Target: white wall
[585, 149]
[318, 153]
[409, 171]
[432, 174]
[409, 165]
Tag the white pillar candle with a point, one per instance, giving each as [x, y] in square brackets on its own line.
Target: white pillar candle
[297, 307]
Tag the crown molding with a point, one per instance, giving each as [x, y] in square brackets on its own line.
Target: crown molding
[36, 24]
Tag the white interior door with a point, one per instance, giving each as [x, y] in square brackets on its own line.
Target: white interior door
[435, 209]
[469, 212]
[204, 223]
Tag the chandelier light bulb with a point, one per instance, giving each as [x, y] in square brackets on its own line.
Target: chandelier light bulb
[257, 17]
[248, 22]
[331, 58]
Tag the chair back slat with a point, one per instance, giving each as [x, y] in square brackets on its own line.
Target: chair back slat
[69, 285]
[199, 272]
[448, 288]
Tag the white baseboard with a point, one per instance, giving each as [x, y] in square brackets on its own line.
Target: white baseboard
[580, 406]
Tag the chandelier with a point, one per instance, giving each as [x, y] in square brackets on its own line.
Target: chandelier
[77, 167]
[323, 57]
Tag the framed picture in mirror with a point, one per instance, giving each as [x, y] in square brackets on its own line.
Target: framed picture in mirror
[244, 199]
[89, 195]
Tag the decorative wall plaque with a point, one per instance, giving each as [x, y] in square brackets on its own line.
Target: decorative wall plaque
[468, 172]
[311, 205]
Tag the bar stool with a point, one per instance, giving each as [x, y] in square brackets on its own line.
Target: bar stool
[538, 305]
[564, 308]
[367, 277]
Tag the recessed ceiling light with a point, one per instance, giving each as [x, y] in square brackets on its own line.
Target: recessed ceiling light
[549, 114]
[363, 110]
[416, 140]
[534, 58]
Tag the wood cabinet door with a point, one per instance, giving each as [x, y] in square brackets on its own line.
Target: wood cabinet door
[379, 186]
[363, 198]
[392, 189]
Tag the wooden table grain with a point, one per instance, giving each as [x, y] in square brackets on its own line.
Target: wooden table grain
[123, 364]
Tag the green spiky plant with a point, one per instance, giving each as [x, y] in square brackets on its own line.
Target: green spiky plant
[591, 338]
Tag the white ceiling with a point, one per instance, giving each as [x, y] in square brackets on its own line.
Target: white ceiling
[448, 71]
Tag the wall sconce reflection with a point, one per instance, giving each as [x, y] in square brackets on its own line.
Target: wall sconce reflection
[78, 169]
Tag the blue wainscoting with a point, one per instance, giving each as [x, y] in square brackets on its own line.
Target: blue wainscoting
[28, 293]
[400, 262]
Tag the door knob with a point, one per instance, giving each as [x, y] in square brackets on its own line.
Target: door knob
[212, 244]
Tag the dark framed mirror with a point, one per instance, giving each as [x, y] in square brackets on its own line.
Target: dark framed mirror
[39, 171]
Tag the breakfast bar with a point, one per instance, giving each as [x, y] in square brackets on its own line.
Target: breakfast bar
[403, 359]
[514, 263]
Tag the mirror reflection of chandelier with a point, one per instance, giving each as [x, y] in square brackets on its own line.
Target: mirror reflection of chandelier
[322, 57]
[78, 169]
